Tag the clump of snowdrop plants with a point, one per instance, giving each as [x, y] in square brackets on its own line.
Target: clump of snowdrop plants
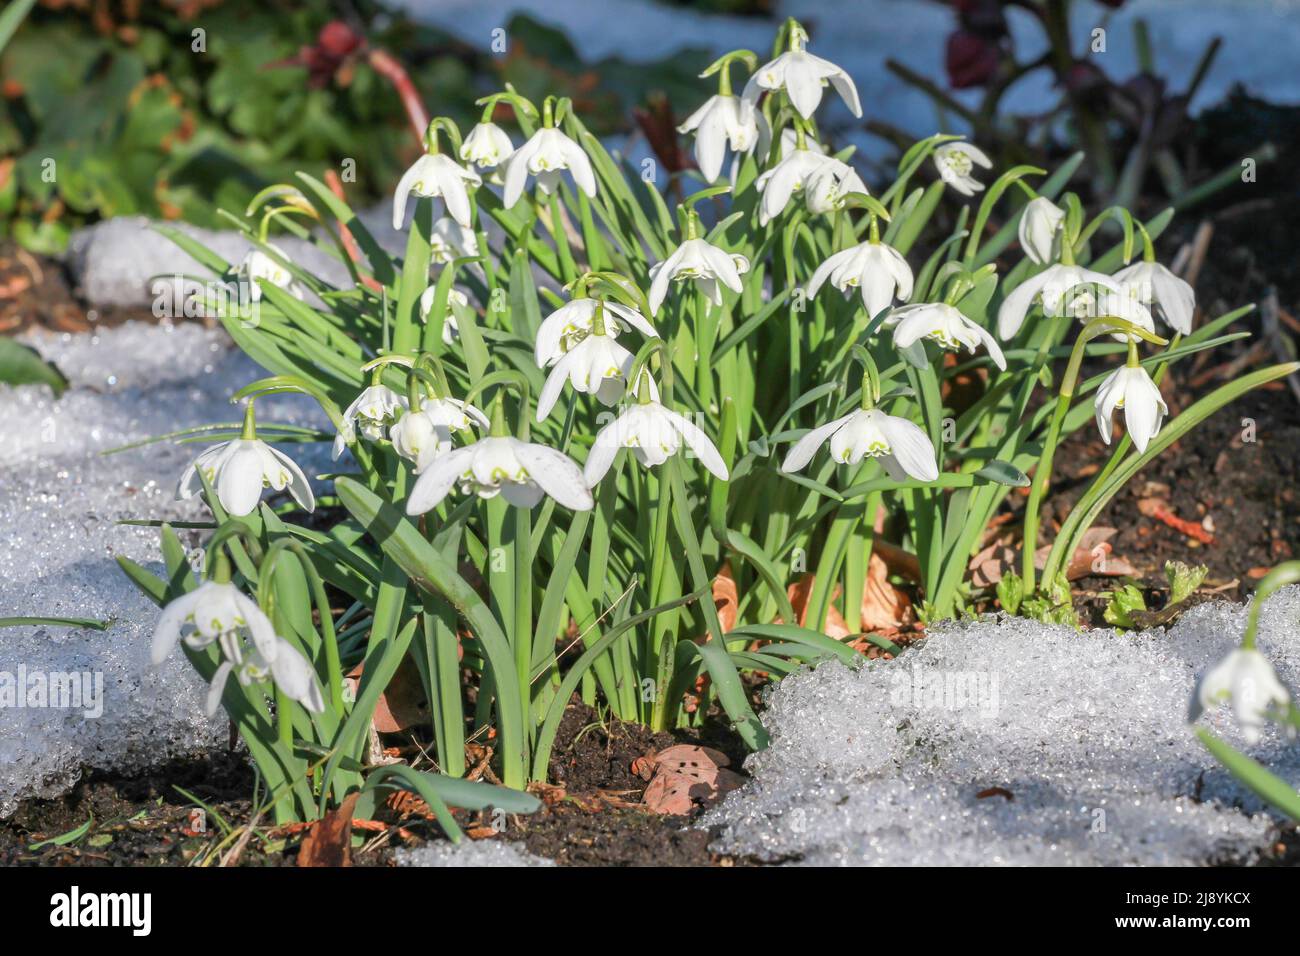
[773, 355]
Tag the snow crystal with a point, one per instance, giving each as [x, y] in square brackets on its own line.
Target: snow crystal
[59, 504]
[470, 853]
[1010, 742]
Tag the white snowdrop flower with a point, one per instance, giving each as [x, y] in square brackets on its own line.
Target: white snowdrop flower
[1049, 286]
[1247, 680]
[597, 366]
[288, 670]
[944, 325]
[903, 448]
[956, 161]
[802, 75]
[371, 413]
[654, 434]
[450, 240]
[219, 612]
[1040, 225]
[779, 184]
[698, 261]
[1156, 287]
[436, 175]
[522, 472]
[545, 156]
[256, 264]
[1131, 389]
[455, 300]
[827, 186]
[239, 470]
[1086, 306]
[722, 121]
[876, 270]
[486, 146]
[421, 436]
[573, 321]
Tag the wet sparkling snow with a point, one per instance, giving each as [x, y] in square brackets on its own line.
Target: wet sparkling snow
[470, 853]
[1011, 743]
[59, 504]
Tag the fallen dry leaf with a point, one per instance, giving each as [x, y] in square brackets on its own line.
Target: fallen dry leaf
[686, 775]
[799, 593]
[884, 607]
[329, 841]
[402, 704]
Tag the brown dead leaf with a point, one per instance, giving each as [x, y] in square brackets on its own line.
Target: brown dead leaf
[725, 597]
[1093, 556]
[402, 704]
[329, 841]
[884, 607]
[686, 775]
[799, 593]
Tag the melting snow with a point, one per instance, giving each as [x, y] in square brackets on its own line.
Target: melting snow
[1008, 742]
[59, 504]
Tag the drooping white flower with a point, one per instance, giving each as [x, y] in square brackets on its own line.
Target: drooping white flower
[696, 260]
[956, 161]
[597, 365]
[433, 175]
[219, 612]
[1131, 389]
[1050, 286]
[829, 184]
[421, 436]
[1086, 305]
[1156, 287]
[877, 271]
[721, 122]
[902, 446]
[571, 322]
[450, 240]
[455, 300]
[257, 264]
[779, 184]
[486, 146]
[944, 325]
[371, 412]
[1040, 224]
[654, 433]
[545, 156]
[239, 470]
[802, 75]
[1247, 680]
[522, 472]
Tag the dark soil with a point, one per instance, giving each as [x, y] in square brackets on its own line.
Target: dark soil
[590, 814]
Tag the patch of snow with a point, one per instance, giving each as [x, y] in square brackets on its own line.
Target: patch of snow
[60, 502]
[470, 853]
[1010, 742]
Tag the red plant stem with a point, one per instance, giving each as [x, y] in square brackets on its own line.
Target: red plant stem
[349, 243]
[392, 70]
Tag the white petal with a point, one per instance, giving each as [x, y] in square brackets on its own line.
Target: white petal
[556, 473]
[603, 452]
[299, 486]
[167, 632]
[910, 445]
[436, 480]
[212, 702]
[806, 447]
[1014, 308]
[698, 442]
